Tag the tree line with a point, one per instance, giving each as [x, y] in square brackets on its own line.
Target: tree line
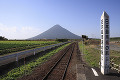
[3, 38]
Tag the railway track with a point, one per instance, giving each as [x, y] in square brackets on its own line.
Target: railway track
[58, 71]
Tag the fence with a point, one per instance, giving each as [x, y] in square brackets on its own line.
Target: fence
[22, 54]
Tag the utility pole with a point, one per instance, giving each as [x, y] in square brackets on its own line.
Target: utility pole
[83, 46]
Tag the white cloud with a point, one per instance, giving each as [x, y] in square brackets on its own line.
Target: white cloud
[18, 32]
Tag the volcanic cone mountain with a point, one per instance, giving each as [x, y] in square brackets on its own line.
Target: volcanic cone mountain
[56, 32]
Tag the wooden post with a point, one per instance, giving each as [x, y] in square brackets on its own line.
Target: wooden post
[17, 59]
[24, 66]
[34, 51]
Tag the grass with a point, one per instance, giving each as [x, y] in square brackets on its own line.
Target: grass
[14, 46]
[92, 55]
[115, 55]
[28, 68]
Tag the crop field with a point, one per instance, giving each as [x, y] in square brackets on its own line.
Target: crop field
[14, 46]
[29, 67]
[92, 53]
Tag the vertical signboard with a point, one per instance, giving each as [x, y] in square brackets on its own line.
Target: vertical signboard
[105, 65]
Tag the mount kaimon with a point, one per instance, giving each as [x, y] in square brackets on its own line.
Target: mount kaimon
[56, 32]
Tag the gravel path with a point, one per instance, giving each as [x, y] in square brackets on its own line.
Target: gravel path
[114, 47]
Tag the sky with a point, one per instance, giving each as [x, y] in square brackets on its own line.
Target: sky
[22, 19]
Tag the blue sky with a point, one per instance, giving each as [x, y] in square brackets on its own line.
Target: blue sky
[22, 19]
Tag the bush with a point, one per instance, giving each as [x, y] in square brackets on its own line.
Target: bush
[62, 40]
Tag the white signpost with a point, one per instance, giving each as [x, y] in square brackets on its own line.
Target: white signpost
[105, 62]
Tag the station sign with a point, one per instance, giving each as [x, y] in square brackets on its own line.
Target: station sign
[105, 43]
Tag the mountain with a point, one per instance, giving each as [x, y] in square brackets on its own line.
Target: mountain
[56, 32]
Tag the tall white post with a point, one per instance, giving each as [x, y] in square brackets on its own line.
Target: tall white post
[105, 60]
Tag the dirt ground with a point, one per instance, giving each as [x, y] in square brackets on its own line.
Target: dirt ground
[71, 71]
[115, 46]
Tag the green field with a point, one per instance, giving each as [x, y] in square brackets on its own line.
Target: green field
[14, 46]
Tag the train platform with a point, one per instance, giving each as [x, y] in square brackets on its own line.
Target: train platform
[85, 72]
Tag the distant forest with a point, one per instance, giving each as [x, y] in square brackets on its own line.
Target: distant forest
[115, 39]
[3, 38]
